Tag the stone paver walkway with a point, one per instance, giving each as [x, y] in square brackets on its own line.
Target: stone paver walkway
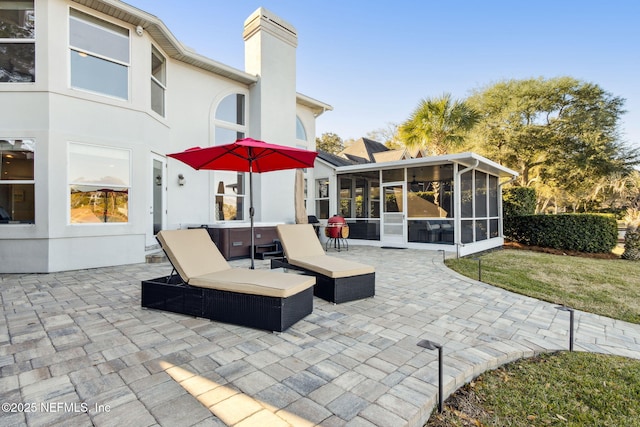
[76, 349]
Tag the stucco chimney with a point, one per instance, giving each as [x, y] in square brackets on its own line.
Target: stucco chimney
[270, 54]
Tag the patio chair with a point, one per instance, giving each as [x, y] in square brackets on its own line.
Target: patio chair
[337, 280]
[203, 284]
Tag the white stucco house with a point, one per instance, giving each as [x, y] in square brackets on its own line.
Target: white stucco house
[95, 93]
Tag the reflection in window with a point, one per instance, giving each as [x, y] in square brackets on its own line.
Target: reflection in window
[229, 202]
[393, 198]
[430, 192]
[393, 175]
[322, 198]
[466, 231]
[231, 109]
[99, 183]
[466, 194]
[374, 199]
[300, 132]
[229, 196]
[17, 185]
[99, 55]
[17, 42]
[346, 197]
[493, 196]
[227, 136]
[493, 228]
[359, 195]
[481, 194]
[438, 231]
[481, 229]
[158, 81]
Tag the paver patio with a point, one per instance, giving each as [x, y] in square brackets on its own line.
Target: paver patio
[77, 349]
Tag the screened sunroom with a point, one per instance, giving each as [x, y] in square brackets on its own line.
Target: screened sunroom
[450, 202]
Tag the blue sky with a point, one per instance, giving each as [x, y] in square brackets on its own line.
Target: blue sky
[373, 61]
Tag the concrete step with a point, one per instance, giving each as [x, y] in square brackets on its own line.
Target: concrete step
[155, 257]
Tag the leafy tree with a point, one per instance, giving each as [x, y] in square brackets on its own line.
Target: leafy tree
[330, 142]
[560, 134]
[439, 125]
[388, 135]
[617, 191]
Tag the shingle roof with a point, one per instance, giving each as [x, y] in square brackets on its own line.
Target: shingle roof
[391, 155]
[334, 160]
[362, 150]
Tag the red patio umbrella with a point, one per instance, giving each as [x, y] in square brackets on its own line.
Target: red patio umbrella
[247, 155]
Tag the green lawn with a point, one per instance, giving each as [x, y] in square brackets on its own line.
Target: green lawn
[561, 389]
[610, 287]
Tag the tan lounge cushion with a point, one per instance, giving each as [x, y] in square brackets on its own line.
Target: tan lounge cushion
[303, 249]
[255, 282]
[200, 263]
[192, 252]
[299, 241]
[332, 266]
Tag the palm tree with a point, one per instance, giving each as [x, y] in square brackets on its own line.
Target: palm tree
[439, 125]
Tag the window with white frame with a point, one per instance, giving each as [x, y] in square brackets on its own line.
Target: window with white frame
[17, 184]
[158, 81]
[301, 133]
[481, 220]
[322, 198]
[346, 198]
[479, 197]
[99, 55]
[99, 183]
[229, 187]
[17, 42]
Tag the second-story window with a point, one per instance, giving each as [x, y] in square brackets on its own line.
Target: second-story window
[230, 125]
[301, 133]
[158, 81]
[99, 53]
[17, 42]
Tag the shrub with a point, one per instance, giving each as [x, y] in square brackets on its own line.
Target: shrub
[519, 201]
[574, 232]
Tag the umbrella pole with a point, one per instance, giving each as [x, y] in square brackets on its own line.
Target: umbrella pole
[251, 210]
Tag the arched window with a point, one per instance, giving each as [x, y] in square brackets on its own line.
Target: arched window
[229, 187]
[300, 132]
[230, 119]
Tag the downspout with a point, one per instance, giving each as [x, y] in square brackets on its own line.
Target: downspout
[500, 213]
[458, 206]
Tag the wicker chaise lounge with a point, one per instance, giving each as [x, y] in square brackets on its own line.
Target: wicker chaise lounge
[337, 280]
[206, 286]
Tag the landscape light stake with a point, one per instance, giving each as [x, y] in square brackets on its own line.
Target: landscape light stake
[570, 310]
[430, 345]
[444, 258]
[479, 269]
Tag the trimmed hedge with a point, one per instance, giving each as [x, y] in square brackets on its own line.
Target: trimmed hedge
[573, 232]
[519, 201]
